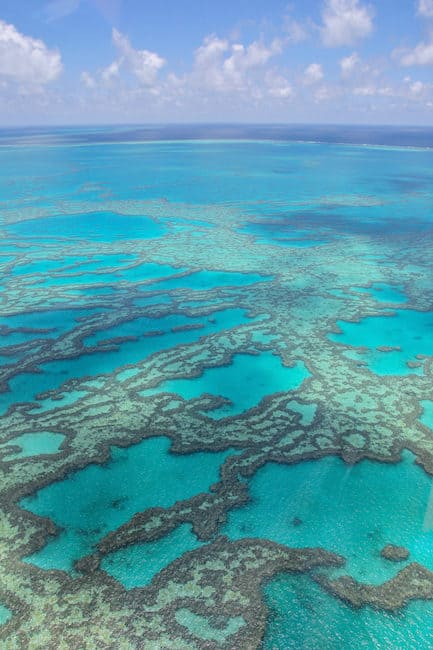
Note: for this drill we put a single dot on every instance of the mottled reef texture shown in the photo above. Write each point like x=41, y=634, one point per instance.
x=357, y=415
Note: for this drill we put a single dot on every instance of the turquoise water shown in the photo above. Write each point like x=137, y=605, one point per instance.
x=34, y=444
x=137, y=564
x=351, y=510
x=56, y=322
x=244, y=382
x=276, y=244
x=142, y=272
x=96, y=500
x=55, y=373
x=45, y=265
x=427, y=414
x=303, y=616
x=5, y=614
x=97, y=226
x=204, y=280
x=408, y=330
x=384, y=292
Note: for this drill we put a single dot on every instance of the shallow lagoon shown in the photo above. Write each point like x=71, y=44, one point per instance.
x=302, y=615
x=98, y=499
x=245, y=382
x=55, y=373
x=34, y=444
x=352, y=510
x=5, y=614
x=406, y=332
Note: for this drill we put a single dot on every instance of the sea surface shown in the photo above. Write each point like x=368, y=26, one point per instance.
x=216, y=395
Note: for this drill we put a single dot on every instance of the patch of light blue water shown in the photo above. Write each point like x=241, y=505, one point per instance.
x=26, y=386
x=146, y=301
x=9, y=360
x=352, y=510
x=136, y=565
x=5, y=614
x=108, y=260
x=39, y=265
x=303, y=616
x=34, y=444
x=92, y=226
x=203, y=280
x=67, y=399
x=384, y=292
x=218, y=320
x=406, y=329
x=6, y=259
x=245, y=382
x=134, y=274
x=56, y=321
x=96, y=500
x=427, y=414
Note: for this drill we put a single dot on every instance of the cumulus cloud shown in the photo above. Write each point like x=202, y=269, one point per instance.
x=223, y=66
x=313, y=73
x=278, y=86
x=25, y=59
x=111, y=72
x=345, y=22
x=425, y=8
x=417, y=89
x=325, y=94
x=349, y=64
x=143, y=64
x=87, y=80
x=422, y=54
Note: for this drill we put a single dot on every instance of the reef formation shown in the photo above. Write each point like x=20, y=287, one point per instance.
x=280, y=329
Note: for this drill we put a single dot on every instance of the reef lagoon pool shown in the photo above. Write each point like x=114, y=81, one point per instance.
x=216, y=394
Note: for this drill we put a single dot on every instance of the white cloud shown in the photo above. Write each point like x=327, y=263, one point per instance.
x=325, y=94
x=425, y=8
x=25, y=59
x=422, y=54
x=278, y=86
x=244, y=58
x=313, y=73
x=221, y=66
x=111, y=72
x=373, y=91
x=349, y=64
x=208, y=62
x=345, y=22
x=143, y=64
x=87, y=80
x=417, y=87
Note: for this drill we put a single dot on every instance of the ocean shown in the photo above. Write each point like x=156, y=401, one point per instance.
x=216, y=387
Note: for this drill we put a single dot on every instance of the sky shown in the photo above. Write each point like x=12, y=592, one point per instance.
x=142, y=61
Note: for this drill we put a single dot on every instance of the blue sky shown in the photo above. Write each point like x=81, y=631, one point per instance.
x=115, y=61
